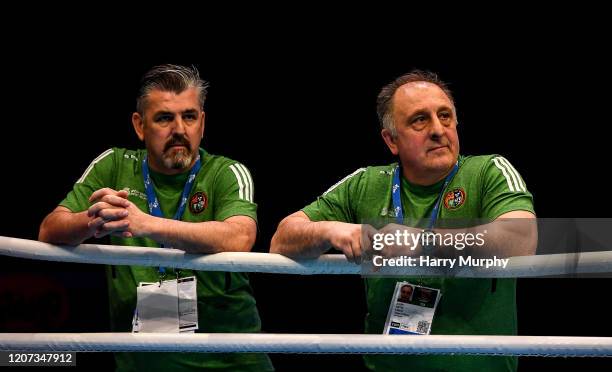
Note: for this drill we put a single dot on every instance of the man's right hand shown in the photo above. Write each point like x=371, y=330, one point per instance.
x=107, y=214
x=299, y=237
x=354, y=240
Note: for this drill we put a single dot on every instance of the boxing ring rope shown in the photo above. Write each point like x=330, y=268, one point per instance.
x=310, y=343
x=525, y=266
x=532, y=266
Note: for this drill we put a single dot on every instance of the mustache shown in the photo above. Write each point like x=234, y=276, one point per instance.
x=441, y=144
x=177, y=140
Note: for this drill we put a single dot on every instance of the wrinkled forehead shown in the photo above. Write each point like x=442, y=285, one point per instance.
x=170, y=101
x=420, y=95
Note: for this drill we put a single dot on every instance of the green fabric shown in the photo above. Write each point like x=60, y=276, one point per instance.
x=467, y=306
x=225, y=300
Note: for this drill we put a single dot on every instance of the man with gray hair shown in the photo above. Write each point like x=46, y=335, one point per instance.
x=431, y=182
x=172, y=194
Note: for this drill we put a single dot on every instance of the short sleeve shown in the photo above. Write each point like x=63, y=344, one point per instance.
x=504, y=190
x=99, y=174
x=335, y=203
x=234, y=192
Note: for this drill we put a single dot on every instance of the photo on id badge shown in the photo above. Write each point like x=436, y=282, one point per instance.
x=411, y=310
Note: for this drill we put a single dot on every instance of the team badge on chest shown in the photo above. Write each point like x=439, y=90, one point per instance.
x=454, y=198
x=198, y=202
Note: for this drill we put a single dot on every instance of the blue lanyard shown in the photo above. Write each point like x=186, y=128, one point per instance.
x=397, y=200
x=154, y=208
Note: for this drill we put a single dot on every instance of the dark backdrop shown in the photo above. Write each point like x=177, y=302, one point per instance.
x=301, y=119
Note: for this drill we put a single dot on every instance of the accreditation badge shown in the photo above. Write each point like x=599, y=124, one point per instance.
x=169, y=306
x=412, y=309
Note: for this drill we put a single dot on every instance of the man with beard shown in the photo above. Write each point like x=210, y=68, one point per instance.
x=173, y=194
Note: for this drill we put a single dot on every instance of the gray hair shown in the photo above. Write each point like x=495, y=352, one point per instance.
x=170, y=78
x=384, y=101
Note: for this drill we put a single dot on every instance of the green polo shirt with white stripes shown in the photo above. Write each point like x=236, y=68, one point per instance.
x=485, y=187
x=222, y=188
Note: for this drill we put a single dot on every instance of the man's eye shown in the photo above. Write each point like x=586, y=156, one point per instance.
x=418, y=119
x=190, y=117
x=419, y=122
x=445, y=115
x=164, y=118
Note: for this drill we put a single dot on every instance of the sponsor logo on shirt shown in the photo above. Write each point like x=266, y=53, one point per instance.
x=136, y=193
x=454, y=198
x=198, y=202
x=132, y=157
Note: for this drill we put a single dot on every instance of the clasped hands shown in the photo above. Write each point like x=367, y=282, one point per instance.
x=112, y=213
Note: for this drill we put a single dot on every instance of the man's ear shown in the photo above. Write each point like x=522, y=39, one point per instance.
x=138, y=123
x=390, y=140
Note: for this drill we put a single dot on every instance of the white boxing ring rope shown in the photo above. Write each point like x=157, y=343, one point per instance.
x=167, y=257
x=525, y=266
x=310, y=343
x=591, y=262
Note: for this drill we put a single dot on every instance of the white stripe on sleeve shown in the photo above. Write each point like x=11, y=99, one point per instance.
x=513, y=170
x=343, y=180
x=239, y=179
x=248, y=181
x=91, y=165
x=505, y=172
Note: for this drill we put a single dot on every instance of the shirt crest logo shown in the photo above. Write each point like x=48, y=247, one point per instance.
x=454, y=198
x=198, y=202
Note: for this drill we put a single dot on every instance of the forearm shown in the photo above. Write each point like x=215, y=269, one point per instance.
x=501, y=238
x=512, y=234
x=297, y=237
x=64, y=227
x=200, y=237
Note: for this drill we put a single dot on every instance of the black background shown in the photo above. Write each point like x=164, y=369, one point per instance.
x=301, y=117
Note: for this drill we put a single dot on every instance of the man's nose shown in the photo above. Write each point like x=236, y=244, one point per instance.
x=436, y=129
x=179, y=126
